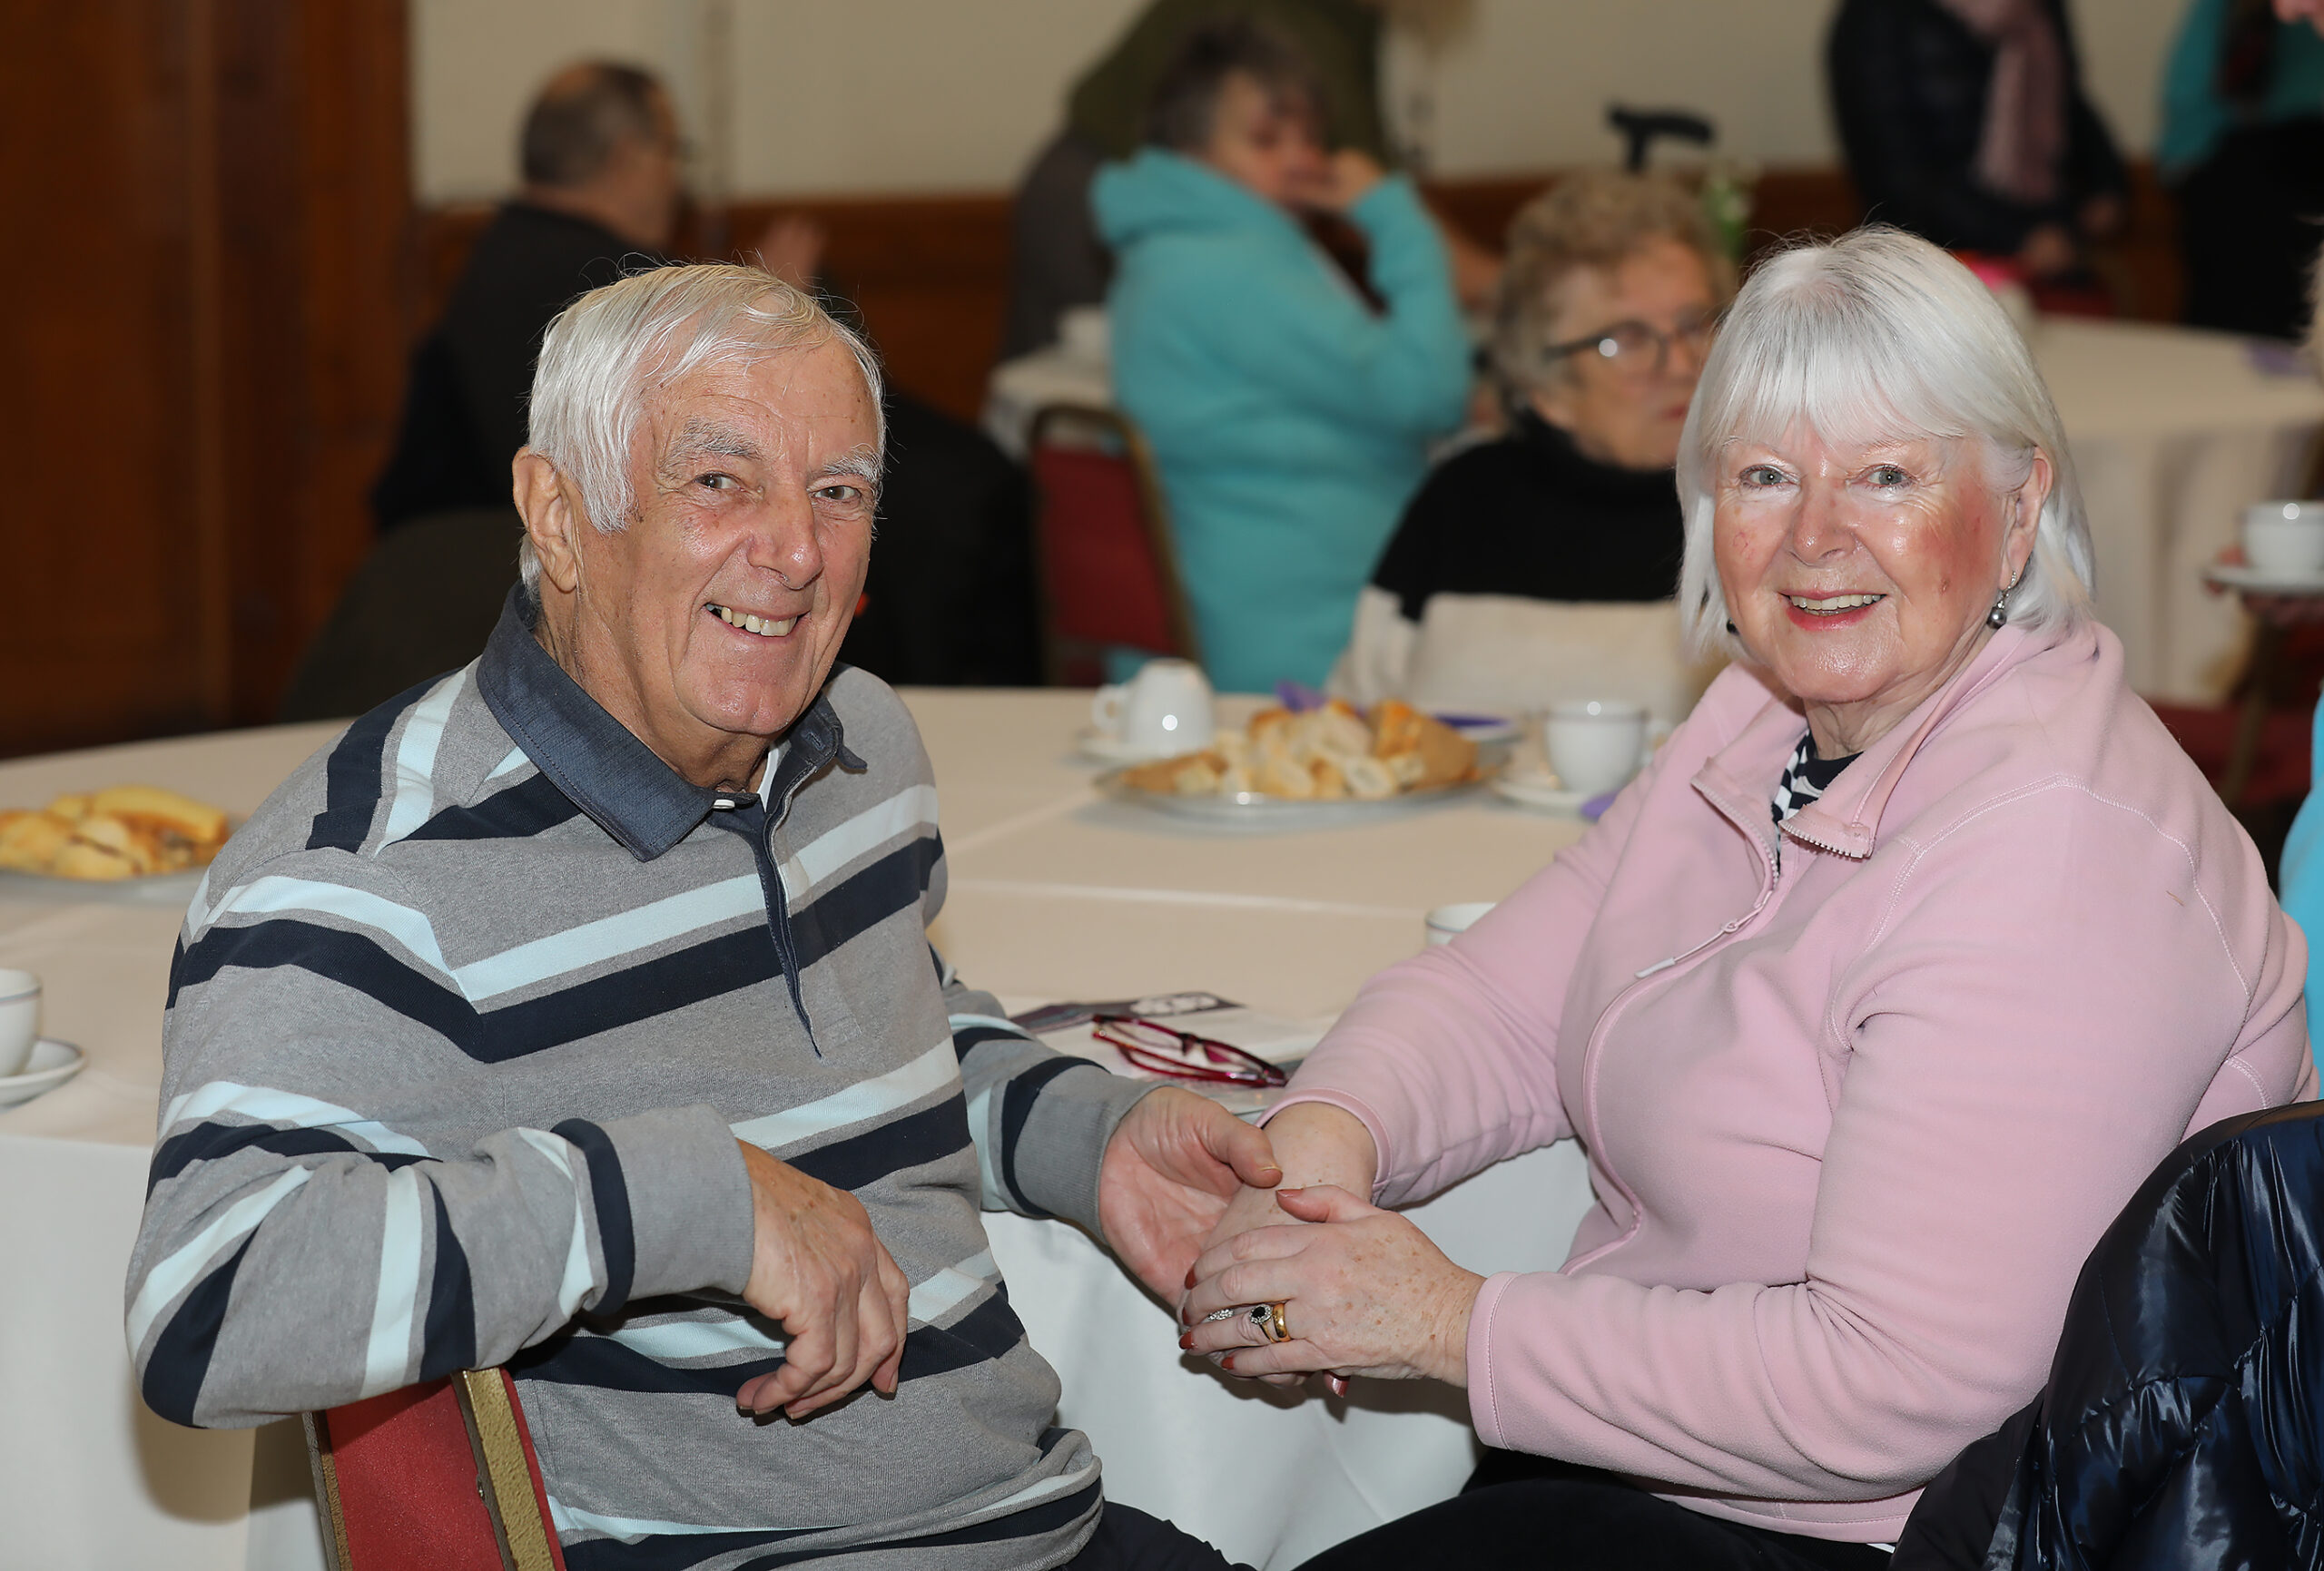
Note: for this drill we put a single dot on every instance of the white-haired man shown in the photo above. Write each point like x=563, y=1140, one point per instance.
x=575, y=1013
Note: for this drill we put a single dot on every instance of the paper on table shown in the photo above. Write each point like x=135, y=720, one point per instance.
x=1279, y=1039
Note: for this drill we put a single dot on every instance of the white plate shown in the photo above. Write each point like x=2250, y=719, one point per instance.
x=1253, y=810
x=1540, y=792
x=172, y=890
x=2258, y=581
x=53, y=1063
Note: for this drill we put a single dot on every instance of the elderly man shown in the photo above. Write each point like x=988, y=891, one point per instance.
x=575, y=1013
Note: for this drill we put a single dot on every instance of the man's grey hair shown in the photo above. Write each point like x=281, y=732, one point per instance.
x=1878, y=335
x=608, y=351
x=585, y=112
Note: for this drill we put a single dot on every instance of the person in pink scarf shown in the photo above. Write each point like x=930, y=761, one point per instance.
x=1964, y=121
x=1871, y=1001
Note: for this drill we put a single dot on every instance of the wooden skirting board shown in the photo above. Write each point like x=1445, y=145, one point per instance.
x=930, y=273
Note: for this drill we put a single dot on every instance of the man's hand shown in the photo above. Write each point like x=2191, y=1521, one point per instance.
x=790, y=247
x=1169, y=1170
x=817, y=1267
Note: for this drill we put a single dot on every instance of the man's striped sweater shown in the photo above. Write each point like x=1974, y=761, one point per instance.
x=463, y=1026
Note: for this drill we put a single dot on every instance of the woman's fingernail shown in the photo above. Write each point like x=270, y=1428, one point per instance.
x=1190, y=1278
x=1227, y=1363
x=1186, y=1343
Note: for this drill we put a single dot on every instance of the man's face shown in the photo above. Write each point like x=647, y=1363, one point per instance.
x=709, y=625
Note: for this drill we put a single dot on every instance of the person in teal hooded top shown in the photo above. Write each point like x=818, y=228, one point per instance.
x=1290, y=420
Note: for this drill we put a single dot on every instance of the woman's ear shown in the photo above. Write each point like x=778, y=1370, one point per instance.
x=2026, y=518
x=550, y=513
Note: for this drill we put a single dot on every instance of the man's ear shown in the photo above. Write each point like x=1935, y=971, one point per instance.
x=550, y=514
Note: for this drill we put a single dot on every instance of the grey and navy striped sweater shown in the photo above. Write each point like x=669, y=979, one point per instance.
x=463, y=1026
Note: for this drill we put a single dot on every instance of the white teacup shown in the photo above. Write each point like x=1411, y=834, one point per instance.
x=19, y=1020
x=1594, y=744
x=1447, y=922
x=2285, y=537
x=1165, y=709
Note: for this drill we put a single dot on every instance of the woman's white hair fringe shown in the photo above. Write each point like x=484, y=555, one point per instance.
x=1879, y=334
x=604, y=351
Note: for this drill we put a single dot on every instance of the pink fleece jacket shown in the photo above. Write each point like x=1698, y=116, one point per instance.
x=1853, y=1115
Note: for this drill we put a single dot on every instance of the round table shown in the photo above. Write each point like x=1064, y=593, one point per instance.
x=1054, y=894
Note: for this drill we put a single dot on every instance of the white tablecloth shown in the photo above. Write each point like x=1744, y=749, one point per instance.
x=2173, y=432
x=1054, y=894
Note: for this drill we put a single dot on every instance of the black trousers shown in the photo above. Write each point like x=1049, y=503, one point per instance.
x=1534, y=1513
x=1128, y=1539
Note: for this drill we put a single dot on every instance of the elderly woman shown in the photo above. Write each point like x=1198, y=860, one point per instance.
x=1542, y=565
x=1290, y=421
x=1871, y=1001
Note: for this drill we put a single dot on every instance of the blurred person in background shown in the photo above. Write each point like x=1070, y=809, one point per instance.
x=600, y=153
x=1290, y=421
x=1964, y=121
x=1520, y=569
x=2242, y=144
x=949, y=600
x=1057, y=261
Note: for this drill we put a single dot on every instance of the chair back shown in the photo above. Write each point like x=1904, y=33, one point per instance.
x=1107, y=571
x=436, y=1476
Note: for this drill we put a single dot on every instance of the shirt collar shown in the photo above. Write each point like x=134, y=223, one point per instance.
x=598, y=761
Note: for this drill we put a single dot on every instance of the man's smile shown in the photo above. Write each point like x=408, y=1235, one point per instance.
x=763, y=626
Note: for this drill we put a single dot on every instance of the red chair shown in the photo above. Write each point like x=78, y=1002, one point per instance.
x=1107, y=571
x=440, y=1477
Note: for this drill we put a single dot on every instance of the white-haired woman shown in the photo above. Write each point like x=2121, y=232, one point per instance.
x=1871, y=1001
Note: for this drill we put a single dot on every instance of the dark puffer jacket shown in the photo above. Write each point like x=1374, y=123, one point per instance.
x=2183, y=1421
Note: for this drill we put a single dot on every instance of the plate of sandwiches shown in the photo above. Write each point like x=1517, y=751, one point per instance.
x=1331, y=765
x=134, y=844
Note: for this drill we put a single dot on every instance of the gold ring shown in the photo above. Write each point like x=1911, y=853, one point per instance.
x=1278, y=1330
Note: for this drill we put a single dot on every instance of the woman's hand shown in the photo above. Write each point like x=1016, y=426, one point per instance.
x=1348, y=179
x=1364, y=1293
x=1313, y=1143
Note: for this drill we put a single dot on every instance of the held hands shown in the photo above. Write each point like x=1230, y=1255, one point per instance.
x=1366, y=1292
x=817, y=1267
x=1363, y=1290
x=1171, y=1168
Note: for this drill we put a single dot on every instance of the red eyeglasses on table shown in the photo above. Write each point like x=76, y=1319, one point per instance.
x=1182, y=1054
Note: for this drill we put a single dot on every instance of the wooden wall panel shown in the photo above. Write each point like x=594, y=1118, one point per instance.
x=192, y=411
x=930, y=274
x=103, y=626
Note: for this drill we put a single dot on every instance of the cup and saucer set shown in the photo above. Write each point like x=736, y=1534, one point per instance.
x=30, y=1063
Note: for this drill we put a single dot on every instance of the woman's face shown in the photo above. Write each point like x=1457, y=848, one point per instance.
x=1861, y=574
x=1628, y=409
x=1268, y=142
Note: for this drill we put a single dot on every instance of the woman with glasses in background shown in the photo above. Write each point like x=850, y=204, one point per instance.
x=1541, y=565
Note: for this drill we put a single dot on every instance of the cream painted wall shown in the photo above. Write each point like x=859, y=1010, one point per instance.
x=930, y=95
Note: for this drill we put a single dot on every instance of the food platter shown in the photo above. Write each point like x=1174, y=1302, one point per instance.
x=1256, y=811
x=173, y=890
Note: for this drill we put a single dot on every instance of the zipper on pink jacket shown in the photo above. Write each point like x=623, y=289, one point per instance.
x=1770, y=873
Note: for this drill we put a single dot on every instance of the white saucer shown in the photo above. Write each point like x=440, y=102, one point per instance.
x=1541, y=792
x=2260, y=581
x=1104, y=747
x=53, y=1063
